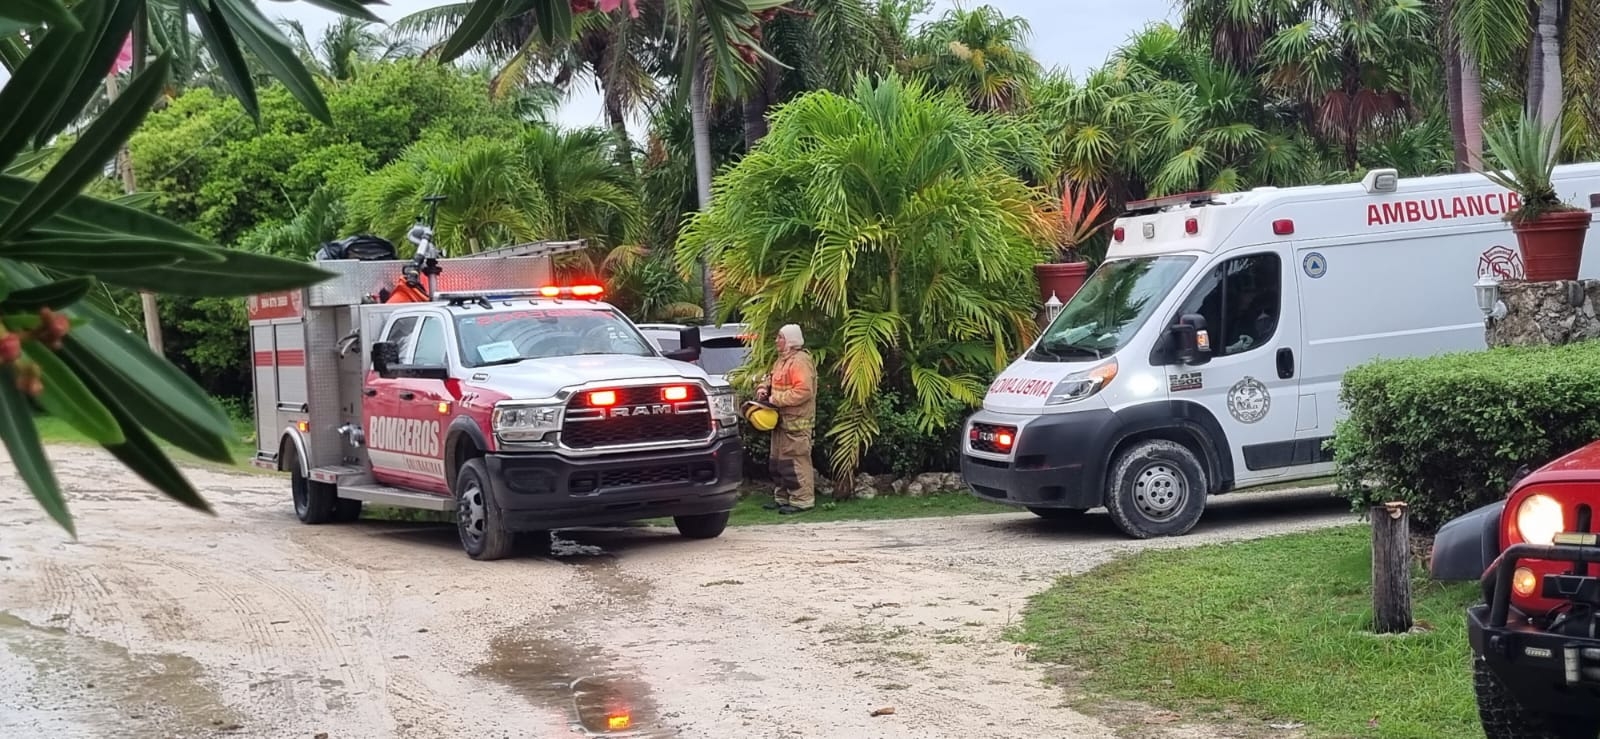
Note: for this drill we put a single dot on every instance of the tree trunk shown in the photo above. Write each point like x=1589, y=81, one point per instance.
x=699, y=101
x=758, y=104
x=619, y=130
x=1472, y=108
x=1544, y=65
x=1453, y=101
x=1391, y=569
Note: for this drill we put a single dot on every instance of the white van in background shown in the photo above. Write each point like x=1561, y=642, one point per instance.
x=723, y=348
x=1206, y=353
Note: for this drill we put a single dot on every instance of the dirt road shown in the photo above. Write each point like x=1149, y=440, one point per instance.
x=160, y=622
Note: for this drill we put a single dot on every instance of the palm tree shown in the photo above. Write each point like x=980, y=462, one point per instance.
x=981, y=52
x=886, y=224
x=344, y=46
x=588, y=195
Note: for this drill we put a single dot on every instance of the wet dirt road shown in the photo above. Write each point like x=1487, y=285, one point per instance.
x=161, y=622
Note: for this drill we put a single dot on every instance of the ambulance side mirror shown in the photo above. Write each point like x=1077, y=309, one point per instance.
x=385, y=354
x=1191, y=339
x=688, y=345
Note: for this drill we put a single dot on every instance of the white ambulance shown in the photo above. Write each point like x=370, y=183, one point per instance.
x=1206, y=353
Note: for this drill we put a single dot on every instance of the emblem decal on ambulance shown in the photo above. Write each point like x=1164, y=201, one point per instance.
x=1503, y=263
x=1315, y=265
x=1248, y=400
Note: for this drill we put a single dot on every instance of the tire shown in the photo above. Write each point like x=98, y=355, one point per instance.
x=1059, y=514
x=347, y=510
x=704, y=526
x=1504, y=718
x=314, y=502
x=1156, y=488
x=478, y=521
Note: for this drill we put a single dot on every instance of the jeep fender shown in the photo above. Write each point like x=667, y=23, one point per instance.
x=1466, y=545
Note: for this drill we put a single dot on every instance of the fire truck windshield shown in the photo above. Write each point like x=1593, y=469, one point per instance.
x=511, y=336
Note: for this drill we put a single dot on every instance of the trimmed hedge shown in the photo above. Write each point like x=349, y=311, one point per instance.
x=1446, y=433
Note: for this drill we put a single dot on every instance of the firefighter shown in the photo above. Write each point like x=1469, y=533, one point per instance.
x=791, y=387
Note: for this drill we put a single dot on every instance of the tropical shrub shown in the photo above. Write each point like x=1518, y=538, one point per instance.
x=1446, y=433
x=885, y=225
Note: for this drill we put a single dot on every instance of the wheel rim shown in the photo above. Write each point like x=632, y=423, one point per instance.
x=470, y=512
x=1160, y=491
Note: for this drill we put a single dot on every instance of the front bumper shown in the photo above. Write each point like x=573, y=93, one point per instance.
x=1056, y=463
x=1548, y=671
x=548, y=491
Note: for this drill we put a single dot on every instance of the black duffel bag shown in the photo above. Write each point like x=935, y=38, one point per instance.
x=364, y=247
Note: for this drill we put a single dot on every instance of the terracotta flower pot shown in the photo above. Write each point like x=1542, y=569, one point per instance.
x=1552, y=245
x=1062, y=279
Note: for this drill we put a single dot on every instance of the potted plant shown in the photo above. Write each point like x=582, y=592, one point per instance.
x=1549, y=232
x=1069, y=227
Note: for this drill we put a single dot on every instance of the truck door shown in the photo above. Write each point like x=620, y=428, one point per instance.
x=404, y=430
x=1251, y=385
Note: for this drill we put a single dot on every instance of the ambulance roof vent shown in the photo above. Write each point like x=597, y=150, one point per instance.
x=1381, y=180
x=1156, y=205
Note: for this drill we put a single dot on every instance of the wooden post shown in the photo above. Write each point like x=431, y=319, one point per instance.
x=1391, y=568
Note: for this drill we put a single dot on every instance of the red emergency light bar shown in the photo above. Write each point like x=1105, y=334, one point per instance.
x=1154, y=204
x=571, y=291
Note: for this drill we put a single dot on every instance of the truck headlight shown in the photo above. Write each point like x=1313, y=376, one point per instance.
x=1080, y=385
x=1539, y=518
x=526, y=421
x=723, y=407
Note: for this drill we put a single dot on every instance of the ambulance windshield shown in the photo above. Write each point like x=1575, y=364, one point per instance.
x=511, y=336
x=1109, y=309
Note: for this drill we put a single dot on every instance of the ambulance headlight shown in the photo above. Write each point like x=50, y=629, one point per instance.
x=1080, y=385
x=723, y=407
x=526, y=421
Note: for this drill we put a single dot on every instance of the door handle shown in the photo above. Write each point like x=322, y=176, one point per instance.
x=370, y=392
x=407, y=395
x=1285, y=363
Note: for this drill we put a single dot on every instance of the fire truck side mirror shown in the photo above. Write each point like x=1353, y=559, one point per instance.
x=1191, y=340
x=385, y=354
x=688, y=345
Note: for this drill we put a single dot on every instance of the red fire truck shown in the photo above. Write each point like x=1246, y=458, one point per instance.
x=520, y=405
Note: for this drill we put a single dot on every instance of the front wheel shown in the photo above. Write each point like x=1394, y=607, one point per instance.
x=704, y=526
x=478, y=519
x=1156, y=488
x=1503, y=717
x=314, y=502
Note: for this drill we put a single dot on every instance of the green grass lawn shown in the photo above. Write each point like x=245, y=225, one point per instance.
x=1271, y=629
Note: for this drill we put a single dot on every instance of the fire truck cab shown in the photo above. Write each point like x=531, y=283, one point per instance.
x=521, y=406
x=1535, y=638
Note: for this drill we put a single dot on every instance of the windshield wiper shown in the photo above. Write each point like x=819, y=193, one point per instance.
x=1079, y=348
x=499, y=362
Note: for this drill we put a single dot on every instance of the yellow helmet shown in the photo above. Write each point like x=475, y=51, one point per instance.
x=760, y=415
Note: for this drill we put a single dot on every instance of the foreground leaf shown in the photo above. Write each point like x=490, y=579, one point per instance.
x=27, y=452
x=275, y=53
x=50, y=67
x=224, y=49
x=91, y=254
x=480, y=18
x=35, y=12
x=66, y=397
x=104, y=43
x=353, y=8
x=88, y=215
x=237, y=274
x=55, y=296
x=86, y=160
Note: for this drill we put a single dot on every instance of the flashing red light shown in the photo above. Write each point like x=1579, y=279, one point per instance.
x=1117, y=233
x=1283, y=227
x=1003, y=439
x=675, y=392
x=603, y=398
x=571, y=291
x=1191, y=226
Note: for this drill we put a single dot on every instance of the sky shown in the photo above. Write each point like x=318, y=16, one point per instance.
x=1066, y=34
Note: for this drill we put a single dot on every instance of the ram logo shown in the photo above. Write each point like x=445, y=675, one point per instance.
x=654, y=409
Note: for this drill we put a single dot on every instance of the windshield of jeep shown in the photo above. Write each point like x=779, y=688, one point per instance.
x=511, y=336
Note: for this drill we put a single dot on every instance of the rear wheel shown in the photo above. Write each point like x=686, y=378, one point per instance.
x=478, y=519
x=1503, y=717
x=1156, y=488
x=1059, y=514
x=704, y=526
x=314, y=502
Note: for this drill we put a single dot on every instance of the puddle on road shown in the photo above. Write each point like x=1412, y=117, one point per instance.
x=597, y=697
x=54, y=681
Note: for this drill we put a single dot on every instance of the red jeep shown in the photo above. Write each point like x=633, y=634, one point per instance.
x=1536, y=637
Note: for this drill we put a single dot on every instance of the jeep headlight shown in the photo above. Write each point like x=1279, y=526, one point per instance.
x=526, y=421
x=1080, y=385
x=1539, y=518
x=723, y=407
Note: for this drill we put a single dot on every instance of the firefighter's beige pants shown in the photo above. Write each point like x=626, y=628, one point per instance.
x=790, y=465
